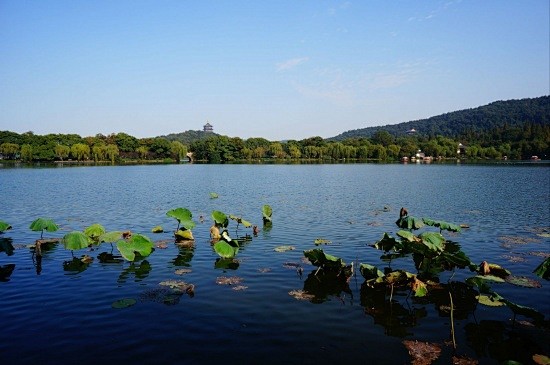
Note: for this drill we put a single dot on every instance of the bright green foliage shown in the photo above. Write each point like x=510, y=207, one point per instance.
x=4, y=226
x=220, y=219
x=94, y=232
x=266, y=213
x=75, y=240
x=444, y=226
x=543, y=270
x=322, y=241
x=183, y=235
x=183, y=216
x=388, y=243
x=214, y=195
x=43, y=224
x=410, y=223
x=226, y=249
x=407, y=235
x=239, y=220
x=157, y=229
x=110, y=237
x=136, y=243
x=318, y=257
x=433, y=240
x=370, y=272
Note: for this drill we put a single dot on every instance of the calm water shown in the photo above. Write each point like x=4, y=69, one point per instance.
x=53, y=316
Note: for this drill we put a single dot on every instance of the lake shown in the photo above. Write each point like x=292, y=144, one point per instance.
x=53, y=312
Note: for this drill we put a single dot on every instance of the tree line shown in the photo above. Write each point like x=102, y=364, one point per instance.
x=512, y=142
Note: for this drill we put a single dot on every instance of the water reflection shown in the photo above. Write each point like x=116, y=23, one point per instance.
x=138, y=271
x=76, y=265
x=6, y=271
x=184, y=257
x=323, y=284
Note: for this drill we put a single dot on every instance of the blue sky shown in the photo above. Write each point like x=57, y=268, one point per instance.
x=273, y=69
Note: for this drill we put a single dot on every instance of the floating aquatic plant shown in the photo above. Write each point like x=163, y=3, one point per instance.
x=43, y=224
x=266, y=213
x=94, y=231
x=75, y=240
x=4, y=226
x=135, y=244
x=185, y=223
x=157, y=229
x=123, y=303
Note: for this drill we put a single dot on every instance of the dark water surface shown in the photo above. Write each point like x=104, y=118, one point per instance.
x=49, y=315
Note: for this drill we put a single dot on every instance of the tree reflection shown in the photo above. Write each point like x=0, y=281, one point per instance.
x=324, y=283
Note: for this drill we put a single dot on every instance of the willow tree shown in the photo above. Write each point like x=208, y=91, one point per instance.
x=9, y=150
x=178, y=149
x=26, y=152
x=80, y=151
x=62, y=151
x=111, y=151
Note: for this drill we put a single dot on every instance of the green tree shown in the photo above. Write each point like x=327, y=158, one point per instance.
x=62, y=151
x=143, y=151
x=125, y=142
x=80, y=151
x=112, y=152
x=9, y=150
x=178, y=149
x=26, y=153
x=98, y=152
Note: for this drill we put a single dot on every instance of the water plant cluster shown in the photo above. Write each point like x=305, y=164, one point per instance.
x=419, y=243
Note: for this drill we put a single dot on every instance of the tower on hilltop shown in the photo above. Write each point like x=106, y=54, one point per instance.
x=208, y=127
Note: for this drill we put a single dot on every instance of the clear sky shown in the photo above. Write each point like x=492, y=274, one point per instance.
x=277, y=69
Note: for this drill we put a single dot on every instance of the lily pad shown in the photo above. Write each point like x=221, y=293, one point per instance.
x=4, y=226
x=110, y=237
x=543, y=270
x=213, y=195
x=183, y=216
x=157, y=229
x=75, y=241
x=488, y=301
x=322, y=241
x=123, y=303
x=94, y=231
x=284, y=248
x=523, y=281
x=43, y=224
x=301, y=295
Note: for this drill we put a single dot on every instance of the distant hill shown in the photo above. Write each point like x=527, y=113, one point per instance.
x=511, y=113
x=188, y=137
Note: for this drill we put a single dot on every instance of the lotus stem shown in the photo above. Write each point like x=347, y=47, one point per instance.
x=452, y=321
x=391, y=293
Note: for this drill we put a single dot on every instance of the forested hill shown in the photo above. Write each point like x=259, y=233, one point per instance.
x=188, y=137
x=510, y=113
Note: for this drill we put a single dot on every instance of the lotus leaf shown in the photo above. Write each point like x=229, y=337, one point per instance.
x=441, y=225
x=183, y=235
x=419, y=287
x=43, y=224
x=409, y=222
x=137, y=243
x=225, y=250
x=321, y=259
x=4, y=226
x=123, y=303
x=75, y=241
x=407, y=235
x=94, y=231
x=183, y=216
x=388, y=243
x=267, y=212
x=239, y=220
x=284, y=248
x=110, y=236
x=213, y=195
x=524, y=311
x=522, y=281
x=220, y=219
x=541, y=359
x=489, y=301
x=157, y=229
x=493, y=269
x=433, y=240
x=543, y=270
x=322, y=241
x=370, y=271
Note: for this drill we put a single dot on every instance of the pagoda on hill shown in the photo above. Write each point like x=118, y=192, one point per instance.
x=208, y=128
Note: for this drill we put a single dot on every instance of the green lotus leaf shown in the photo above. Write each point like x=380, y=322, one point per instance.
x=409, y=222
x=397, y=277
x=543, y=270
x=75, y=241
x=220, y=218
x=441, y=225
x=318, y=257
x=110, y=236
x=94, y=231
x=522, y=310
x=522, y=281
x=225, y=250
x=239, y=220
x=457, y=259
x=407, y=235
x=43, y=224
x=137, y=243
x=213, y=195
x=433, y=240
x=388, y=243
x=370, y=271
x=184, y=235
x=419, y=287
x=267, y=212
x=4, y=226
x=183, y=216
x=489, y=301
x=322, y=241
x=123, y=303
x=157, y=229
